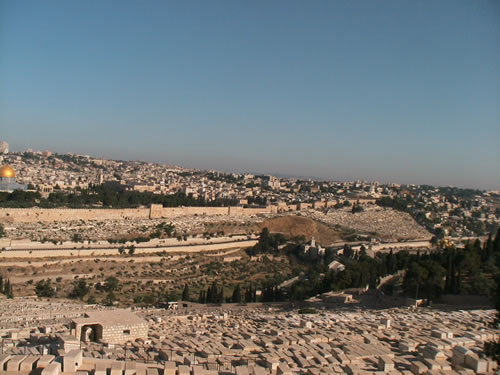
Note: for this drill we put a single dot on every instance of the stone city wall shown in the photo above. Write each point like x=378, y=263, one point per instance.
x=156, y=211
x=30, y=215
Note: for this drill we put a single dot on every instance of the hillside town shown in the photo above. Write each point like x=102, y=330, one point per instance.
x=444, y=211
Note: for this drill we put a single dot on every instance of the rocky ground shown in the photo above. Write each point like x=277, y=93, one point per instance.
x=116, y=229
x=384, y=223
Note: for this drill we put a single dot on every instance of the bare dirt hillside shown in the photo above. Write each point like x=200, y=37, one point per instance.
x=292, y=226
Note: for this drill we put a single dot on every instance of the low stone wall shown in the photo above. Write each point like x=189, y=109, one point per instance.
x=396, y=246
x=79, y=252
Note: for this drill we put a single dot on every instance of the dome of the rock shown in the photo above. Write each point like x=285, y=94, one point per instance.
x=7, y=172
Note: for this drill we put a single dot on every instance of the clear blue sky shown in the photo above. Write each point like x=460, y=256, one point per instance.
x=395, y=91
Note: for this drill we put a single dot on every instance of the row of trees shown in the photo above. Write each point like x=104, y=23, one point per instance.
x=80, y=289
x=267, y=244
x=468, y=270
x=214, y=294
x=107, y=195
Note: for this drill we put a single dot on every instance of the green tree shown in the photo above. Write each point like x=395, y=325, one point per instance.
x=348, y=252
x=202, y=297
x=91, y=300
x=391, y=263
x=424, y=278
x=435, y=281
x=110, y=299
x=44, y=288
x=492, y=348
x=414, y=279
x=80, y=289
x=7, y=289
x=236, y=298
x=208, y=294
x=185, y=293
x=131, y=250
x=110, y=284
x=220, y=295
x=264, y=238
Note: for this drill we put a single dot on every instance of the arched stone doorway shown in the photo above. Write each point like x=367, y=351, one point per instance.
x=91, y=333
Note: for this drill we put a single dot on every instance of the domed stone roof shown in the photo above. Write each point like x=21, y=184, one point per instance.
x=7, y=171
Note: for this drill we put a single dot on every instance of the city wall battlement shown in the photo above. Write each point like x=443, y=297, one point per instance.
x=30, y=215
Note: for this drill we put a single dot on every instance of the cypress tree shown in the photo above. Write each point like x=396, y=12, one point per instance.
x=488, y=248
x=220, y=295
x=5, y=288
x=496, y=242
x=8, y=289
x=391, y=264
x=477, y=246
x=236, y=298
x=449, y=272
x=185, y=293
x=208, y=297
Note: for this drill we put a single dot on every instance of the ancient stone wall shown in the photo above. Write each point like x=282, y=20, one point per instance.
x=156, y=211
x=29, y=215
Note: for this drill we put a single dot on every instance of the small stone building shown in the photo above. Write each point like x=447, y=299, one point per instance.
x=111, y=327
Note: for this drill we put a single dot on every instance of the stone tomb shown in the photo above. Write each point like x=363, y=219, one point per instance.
x=111, y=327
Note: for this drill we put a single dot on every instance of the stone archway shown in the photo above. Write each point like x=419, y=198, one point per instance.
x=91, y=333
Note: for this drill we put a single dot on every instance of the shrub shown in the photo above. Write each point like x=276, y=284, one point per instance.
x=307, y=310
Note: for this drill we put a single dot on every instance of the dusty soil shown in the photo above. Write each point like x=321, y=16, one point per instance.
x=292, y=226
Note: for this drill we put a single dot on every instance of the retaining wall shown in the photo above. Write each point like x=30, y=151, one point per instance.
x=195, y=248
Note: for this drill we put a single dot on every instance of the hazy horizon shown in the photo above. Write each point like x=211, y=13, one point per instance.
x=255, y=172
x=403, y=92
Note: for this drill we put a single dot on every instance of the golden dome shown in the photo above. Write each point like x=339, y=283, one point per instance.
x=6, y=171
